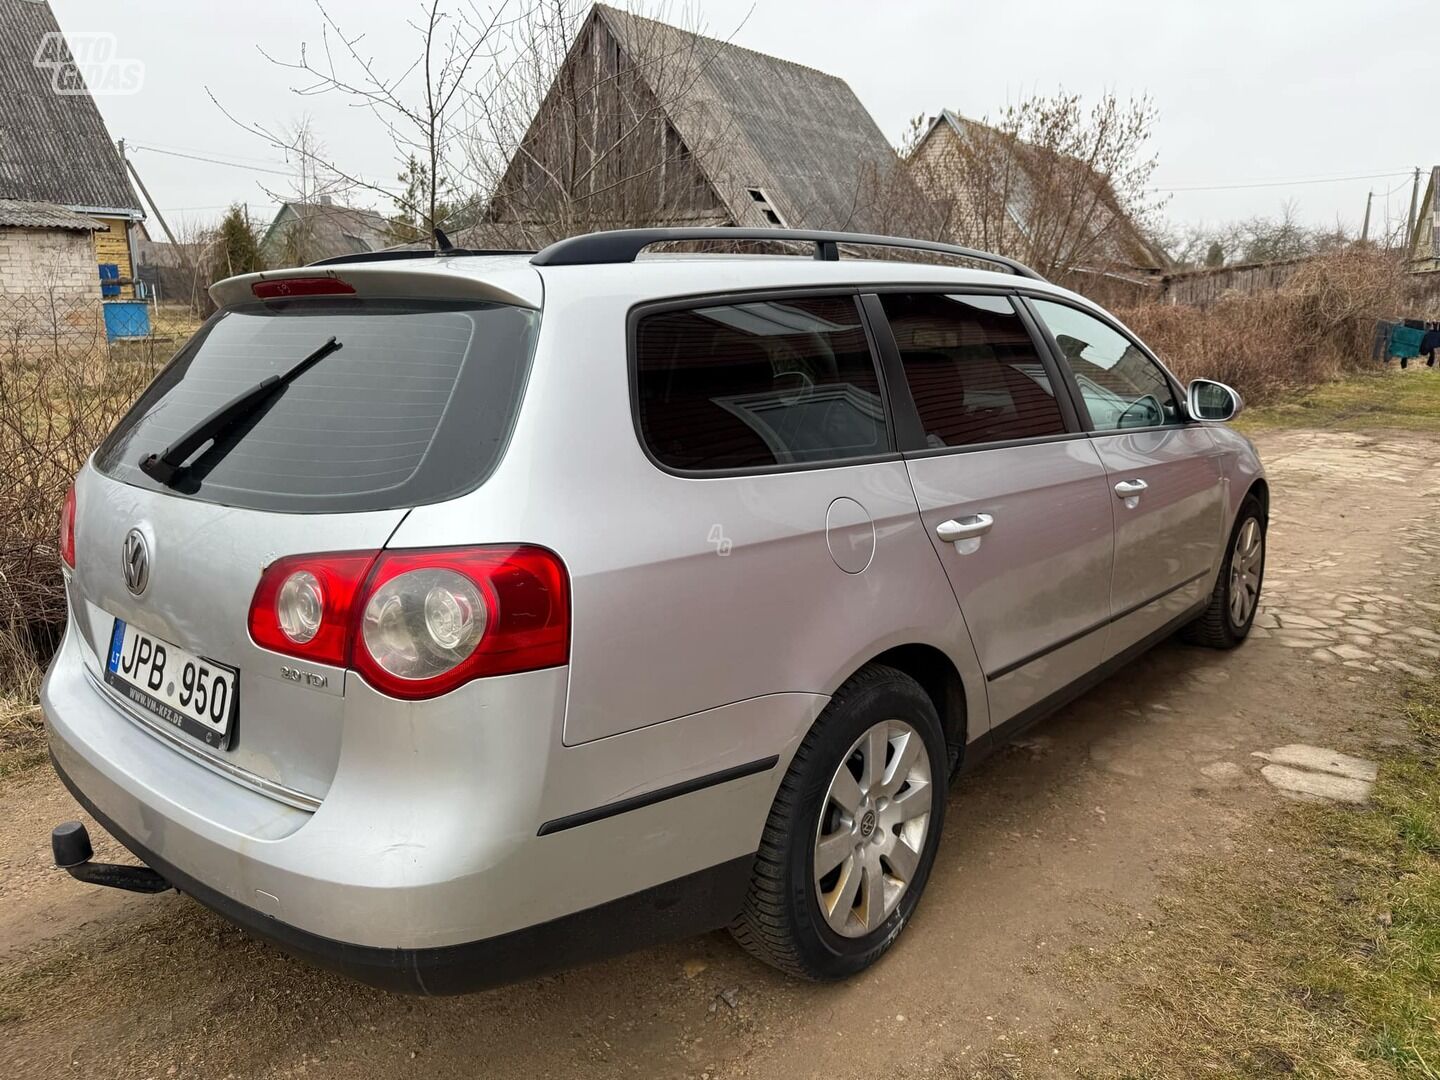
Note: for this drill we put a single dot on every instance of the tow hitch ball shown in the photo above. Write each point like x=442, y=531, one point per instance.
x=70, y=844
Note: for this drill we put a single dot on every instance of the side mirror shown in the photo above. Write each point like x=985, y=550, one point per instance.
x=1212, y=402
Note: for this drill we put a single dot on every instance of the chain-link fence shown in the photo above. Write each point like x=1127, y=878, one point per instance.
x=70, y=365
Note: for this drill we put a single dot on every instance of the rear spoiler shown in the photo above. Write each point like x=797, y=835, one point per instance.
x=517, y=283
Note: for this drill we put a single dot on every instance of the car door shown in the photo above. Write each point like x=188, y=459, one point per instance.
x=1013, y=496
x=1168, y=493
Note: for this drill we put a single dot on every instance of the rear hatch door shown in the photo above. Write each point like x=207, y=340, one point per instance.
x=415, y=407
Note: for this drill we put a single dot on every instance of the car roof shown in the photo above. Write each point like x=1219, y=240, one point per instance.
x=672, y=276
x=513, y=278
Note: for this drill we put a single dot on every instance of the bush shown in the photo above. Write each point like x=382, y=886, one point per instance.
x=62, y=388
x=1317, y=325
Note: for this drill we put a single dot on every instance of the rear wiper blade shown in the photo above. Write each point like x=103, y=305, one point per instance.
x=165, y=465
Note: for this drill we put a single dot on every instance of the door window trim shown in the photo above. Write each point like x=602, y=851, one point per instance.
x=1026, y=297
x=698, y=300
x=908, y=427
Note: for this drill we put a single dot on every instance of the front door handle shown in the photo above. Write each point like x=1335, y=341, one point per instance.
x=1128, y=489
x=966, y=528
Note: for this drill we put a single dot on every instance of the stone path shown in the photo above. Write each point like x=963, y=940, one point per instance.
x=1313, y=772
x=1319, y=605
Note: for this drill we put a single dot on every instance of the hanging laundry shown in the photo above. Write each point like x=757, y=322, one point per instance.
x=1429, y=344
x=1405, y=342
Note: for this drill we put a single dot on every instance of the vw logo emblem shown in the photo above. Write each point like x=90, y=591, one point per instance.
x=135, y=556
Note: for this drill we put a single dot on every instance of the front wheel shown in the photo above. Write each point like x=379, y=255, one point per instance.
x=853, y=831
x=1227, y=620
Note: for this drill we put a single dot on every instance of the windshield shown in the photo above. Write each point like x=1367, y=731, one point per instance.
x=415, y=408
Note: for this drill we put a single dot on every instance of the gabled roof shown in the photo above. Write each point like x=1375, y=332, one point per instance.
x=330, y=229
x=1424, y=250
x=1123, y=243
x=799, y=137
x=15, y=213
x=53, y=147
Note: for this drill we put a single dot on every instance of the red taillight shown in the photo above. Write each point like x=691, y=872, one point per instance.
x=341, y=576
x=285, y=288
x=416, y=624
x=67, y=529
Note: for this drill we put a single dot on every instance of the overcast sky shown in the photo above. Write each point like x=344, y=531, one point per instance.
x=1249, y=92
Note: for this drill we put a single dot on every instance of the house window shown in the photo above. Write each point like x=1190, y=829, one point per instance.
x=762, y=203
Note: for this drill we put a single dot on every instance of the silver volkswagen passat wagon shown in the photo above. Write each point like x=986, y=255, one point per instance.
x=449, y=617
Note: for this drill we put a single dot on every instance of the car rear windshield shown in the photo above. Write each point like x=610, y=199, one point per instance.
x=415, y=406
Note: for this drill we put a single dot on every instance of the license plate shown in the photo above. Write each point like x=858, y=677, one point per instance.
x=196, y=695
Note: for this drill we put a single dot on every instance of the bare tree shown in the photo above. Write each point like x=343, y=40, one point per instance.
x=307, y=154
x=420, y=108
x=1261, y=239
x=1060, y=186
x=900, y=201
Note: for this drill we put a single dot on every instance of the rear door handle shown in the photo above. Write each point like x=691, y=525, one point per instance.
x=1128, y=489
x=966, y=528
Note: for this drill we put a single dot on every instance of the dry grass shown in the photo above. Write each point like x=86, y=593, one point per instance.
x=62, y=389
x=1312, y=952
x=22, y=729
x=1317, y=327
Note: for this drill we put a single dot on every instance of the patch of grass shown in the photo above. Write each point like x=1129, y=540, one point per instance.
x=1314, y=952
x=1408, y=401
x=22, y=737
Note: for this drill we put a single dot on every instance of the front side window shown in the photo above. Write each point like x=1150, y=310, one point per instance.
x=972, y=369
x=1121, y=386
x=750, y=385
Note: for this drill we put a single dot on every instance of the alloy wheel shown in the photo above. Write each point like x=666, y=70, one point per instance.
x=872, y=828
x=1246, y=563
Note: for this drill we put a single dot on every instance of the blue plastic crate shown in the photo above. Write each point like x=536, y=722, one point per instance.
x=126, y=319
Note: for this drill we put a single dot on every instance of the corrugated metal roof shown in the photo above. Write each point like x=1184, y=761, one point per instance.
x=800, y=136
x=40, y=215
x=53, y=147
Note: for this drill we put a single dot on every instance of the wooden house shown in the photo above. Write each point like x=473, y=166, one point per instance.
x=650, y=124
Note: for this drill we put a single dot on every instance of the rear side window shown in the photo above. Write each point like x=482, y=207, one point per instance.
x=416, y=405
x=972, y=369
x=749, y=385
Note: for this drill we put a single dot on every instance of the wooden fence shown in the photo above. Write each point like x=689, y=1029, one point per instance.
x=1201, y=288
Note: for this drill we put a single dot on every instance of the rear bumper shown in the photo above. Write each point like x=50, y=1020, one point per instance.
x=690, y=905
x=461, y=839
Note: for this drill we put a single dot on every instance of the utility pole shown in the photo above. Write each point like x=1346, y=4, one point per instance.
x=141, y=185
x=1410, y=221
x=1365, y=229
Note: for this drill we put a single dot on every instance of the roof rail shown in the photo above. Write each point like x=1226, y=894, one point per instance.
x=396, y=254
x=623, y=245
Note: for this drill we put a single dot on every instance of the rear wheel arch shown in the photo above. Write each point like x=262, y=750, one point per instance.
x=937, y=675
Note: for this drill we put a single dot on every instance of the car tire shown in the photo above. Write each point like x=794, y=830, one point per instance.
x=1235, y=599
x=797, y=917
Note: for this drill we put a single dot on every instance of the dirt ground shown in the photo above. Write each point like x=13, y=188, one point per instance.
x=1061, y=844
